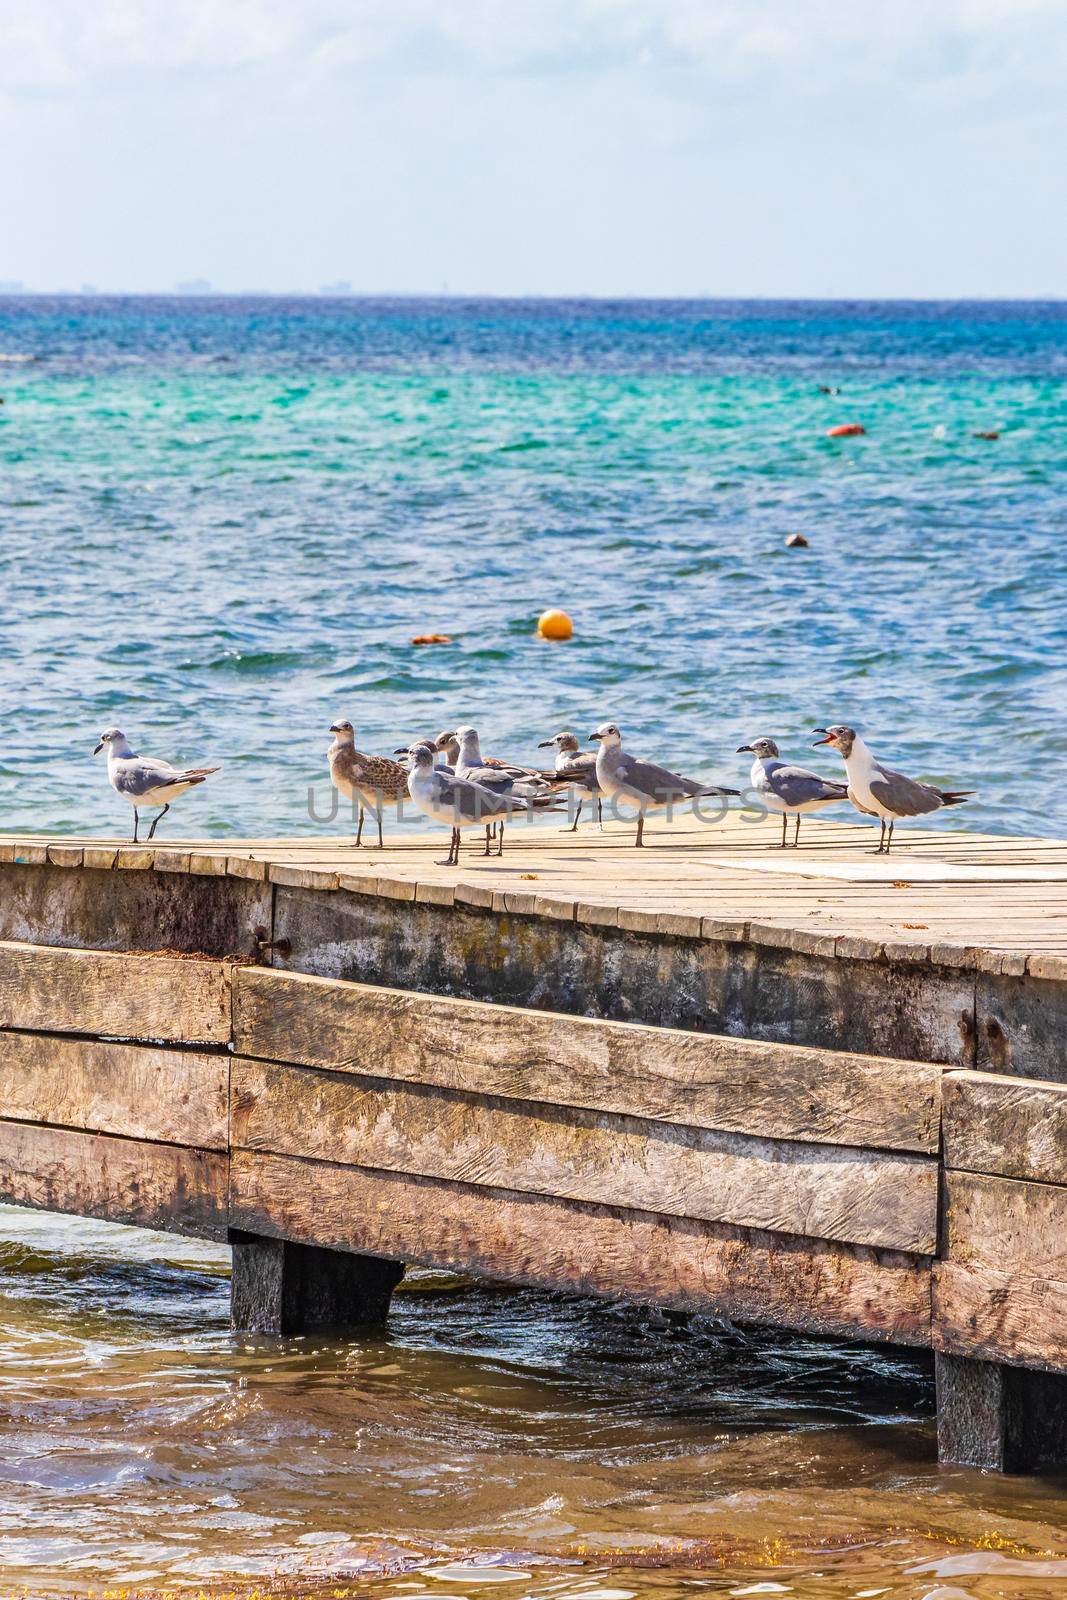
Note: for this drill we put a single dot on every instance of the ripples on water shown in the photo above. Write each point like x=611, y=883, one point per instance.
x=586, y=1445
x=223, y=522
x=220, y=524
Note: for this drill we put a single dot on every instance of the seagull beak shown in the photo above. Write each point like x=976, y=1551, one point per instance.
x=742, y=748
x=402, y=750
x=99, y=747
x=546, y=744
x=335, y=727
x=596, y=736
x=829, y=739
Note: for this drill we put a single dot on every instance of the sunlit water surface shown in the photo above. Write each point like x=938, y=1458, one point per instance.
x=488, y=1438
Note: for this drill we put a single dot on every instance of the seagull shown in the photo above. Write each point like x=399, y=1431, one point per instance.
x=448, y=746
x=459, y=803
x=144, y=780
x=652, y=788
x=790, y=790
x=499, y=777
x=502, y=777
x=880, y=792
x=577, y=767
x=370, y=780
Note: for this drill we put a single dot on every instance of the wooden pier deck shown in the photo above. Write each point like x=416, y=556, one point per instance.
x=816, y=1088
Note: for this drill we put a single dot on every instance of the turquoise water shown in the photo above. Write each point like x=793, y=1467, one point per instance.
x=223, y=521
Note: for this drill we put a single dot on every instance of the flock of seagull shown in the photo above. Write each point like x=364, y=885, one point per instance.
x=452, y=783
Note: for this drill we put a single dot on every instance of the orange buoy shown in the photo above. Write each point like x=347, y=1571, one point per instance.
x=431, y=638
x=846, y=430
x=555, y=625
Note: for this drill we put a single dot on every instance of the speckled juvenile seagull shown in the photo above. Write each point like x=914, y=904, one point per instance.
x=576, y=768
x=879, y=791
x=372, y=780
x=143, y=780
x=788, y=789
x=651, y=788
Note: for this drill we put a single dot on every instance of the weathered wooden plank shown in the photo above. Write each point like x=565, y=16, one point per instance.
x=122, y=995
x=1000, y=1316
x=119, y=1180
x=745, y=1275
x=822, y=1191
x=97, y=908
x=142, y=1092
x=1014, y=1127
x=708, y=1081
x=1003, y=1225
x=707, y=986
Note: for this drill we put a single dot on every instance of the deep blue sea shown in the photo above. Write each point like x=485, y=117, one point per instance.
x=223, y=520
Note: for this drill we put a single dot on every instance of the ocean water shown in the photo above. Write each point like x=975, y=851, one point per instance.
x=222, y=522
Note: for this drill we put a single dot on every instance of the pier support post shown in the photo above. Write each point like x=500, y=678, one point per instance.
x=281, y=1287
x=1008, y=1419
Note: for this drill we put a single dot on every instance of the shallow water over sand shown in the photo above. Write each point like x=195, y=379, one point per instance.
x=490, y=1442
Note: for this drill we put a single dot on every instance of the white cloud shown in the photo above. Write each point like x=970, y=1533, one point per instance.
x=67, y=45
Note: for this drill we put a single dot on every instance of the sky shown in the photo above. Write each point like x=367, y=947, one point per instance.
x=822, y=148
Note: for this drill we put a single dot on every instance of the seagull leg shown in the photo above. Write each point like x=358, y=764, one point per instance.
x=157, y=820
x=600, y=812
x=500, y=839
x=381, y=841
x=488, y=836
x=889, y=841
x=785, y=820
x=639, y=841
x=881, y=841
x=574, y=825
x=135, y=821
x=453, y=851
x=359, y=830
x=796, y=833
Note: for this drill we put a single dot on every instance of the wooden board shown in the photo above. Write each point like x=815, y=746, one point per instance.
x=997, y=1316
x=708, y=1081
x=747, y=1276
x=119, y=1180
x=1014, y=1127
x=1000, y=1225
x=139, y=1091
x=821, y=1191
x=162, y=998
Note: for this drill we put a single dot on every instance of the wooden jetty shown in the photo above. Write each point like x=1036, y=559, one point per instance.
x=819, y=1088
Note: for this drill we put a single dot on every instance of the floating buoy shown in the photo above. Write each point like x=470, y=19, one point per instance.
x=796, y=541
x=555, y=625
x=431, y=638
x=846, y=430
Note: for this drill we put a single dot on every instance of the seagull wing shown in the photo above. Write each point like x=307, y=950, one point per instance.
x=655, y=783
x=904, y=796
x=471, y=802
x=796, y=786
x=138, y=776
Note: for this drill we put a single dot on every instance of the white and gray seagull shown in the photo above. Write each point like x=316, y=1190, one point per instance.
x=143, y=780
x=788, y=789
x=459, y=803
x=879, y=791
x=575, y=768
x=650, y=788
